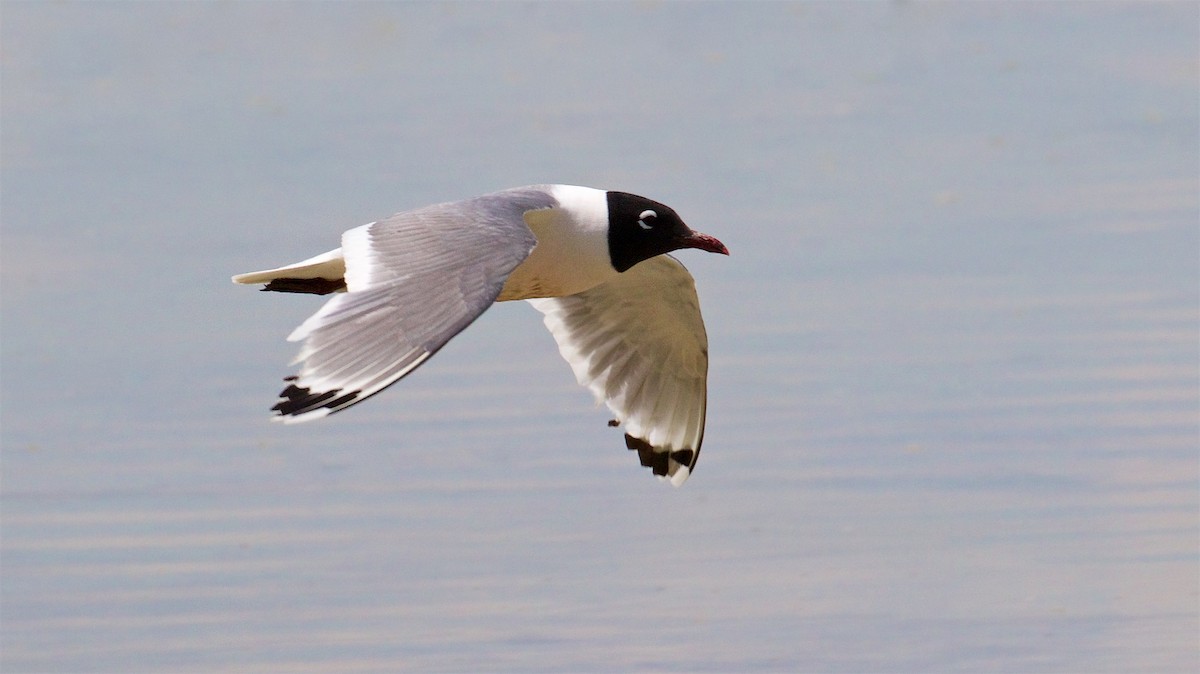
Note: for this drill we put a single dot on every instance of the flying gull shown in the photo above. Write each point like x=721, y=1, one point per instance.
x=594, y=262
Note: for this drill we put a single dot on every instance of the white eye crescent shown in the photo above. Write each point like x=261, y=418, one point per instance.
x=644, y=216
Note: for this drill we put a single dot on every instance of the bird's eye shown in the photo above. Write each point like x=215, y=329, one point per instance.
x=646, y=219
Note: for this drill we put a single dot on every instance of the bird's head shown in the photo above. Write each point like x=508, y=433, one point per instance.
x=641, y=228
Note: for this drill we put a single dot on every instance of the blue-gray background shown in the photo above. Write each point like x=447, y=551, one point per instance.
x=953, y=389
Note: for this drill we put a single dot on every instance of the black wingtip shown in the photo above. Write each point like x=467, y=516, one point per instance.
x=659, y=462
x=298, y=400
x=312, y=286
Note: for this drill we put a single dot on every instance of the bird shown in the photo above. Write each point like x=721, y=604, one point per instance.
x=595, y=263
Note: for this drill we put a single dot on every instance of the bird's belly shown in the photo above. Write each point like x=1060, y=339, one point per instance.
x=550, y=273
x=524, y=284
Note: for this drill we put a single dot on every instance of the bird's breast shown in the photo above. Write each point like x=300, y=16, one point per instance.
x=568, y=259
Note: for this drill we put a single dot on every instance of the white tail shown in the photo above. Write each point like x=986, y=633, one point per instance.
x=326, y=265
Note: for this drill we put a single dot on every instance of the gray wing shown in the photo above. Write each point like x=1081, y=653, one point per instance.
x=413, y=281
x=638, y=343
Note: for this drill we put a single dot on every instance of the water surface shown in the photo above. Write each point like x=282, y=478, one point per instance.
x=953, y=388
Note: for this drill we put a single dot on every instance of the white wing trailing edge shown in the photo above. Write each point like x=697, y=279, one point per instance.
x=638, y=343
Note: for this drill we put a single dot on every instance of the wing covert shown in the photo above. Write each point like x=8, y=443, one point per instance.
x=413, y=281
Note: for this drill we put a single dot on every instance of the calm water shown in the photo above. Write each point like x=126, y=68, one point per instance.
x=953, y=398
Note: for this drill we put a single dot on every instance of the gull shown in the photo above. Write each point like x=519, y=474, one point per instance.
x=624, y=313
